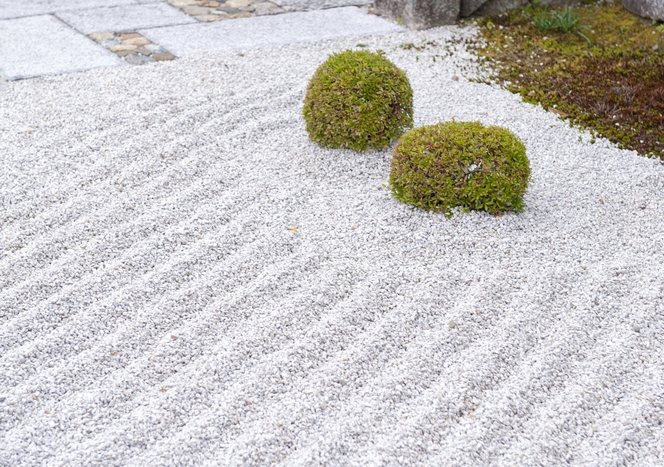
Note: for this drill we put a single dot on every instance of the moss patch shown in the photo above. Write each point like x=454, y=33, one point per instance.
x=614, y=87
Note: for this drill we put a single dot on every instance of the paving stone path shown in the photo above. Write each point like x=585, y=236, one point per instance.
x=47, y=37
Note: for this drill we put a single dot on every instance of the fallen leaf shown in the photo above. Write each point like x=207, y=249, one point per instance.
x=560, y=113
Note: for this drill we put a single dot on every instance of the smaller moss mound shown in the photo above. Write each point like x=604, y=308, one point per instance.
x=358, y=100
x=442, y=166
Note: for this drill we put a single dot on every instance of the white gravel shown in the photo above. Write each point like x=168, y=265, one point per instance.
x=157, y=308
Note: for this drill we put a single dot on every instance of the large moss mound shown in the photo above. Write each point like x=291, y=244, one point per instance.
x=358, y=100
x=466, y=164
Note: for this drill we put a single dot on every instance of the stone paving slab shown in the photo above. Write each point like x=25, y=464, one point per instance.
x=43, y=45
x=304, y=5
x=125, y=18
x=19, y=8
x=208, y=11
x=268, y=30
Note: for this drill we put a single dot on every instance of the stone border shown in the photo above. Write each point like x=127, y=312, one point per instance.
x=136, y=49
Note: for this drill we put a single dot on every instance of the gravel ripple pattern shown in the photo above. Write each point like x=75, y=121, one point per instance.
x=185, y=279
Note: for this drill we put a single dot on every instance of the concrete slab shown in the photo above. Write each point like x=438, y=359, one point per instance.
x=20, y=8
x=289, y=28
x=305, y=5
x=43, y=45
x=124, y=18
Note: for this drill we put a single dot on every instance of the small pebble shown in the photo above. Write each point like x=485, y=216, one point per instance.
x=163, y=56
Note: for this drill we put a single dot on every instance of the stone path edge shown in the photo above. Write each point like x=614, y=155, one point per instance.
x=244, y=33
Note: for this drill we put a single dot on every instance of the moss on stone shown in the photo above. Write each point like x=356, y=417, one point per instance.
x=358, y=100
x=452, y=164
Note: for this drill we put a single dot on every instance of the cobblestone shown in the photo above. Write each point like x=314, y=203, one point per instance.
x=132, y=47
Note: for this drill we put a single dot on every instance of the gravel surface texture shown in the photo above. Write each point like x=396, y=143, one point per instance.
x=185, y=279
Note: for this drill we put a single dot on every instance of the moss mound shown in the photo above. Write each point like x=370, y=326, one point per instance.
x=442, y=166
x=358, y=100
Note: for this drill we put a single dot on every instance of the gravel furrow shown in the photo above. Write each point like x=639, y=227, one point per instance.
x=129, y=305
x=59, y=219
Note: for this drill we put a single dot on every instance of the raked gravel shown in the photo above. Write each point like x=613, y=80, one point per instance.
x=185, y=279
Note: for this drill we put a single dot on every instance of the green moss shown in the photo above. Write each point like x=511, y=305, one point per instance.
x=614, y=87
x=358, y=100
x=442, y=166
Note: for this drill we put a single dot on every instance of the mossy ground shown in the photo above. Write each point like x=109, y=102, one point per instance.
x=614, y=87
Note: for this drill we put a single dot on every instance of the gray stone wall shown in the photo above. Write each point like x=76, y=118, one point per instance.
x=653, y=9
x=419, y=14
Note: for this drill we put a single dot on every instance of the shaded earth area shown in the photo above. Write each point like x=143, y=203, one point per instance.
x=607, y=76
